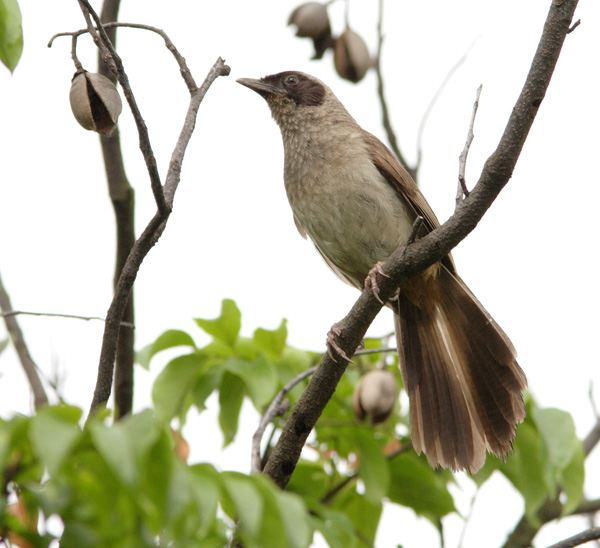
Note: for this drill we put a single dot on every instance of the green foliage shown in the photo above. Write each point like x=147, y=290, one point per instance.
x=11, y=33
x=548, y=459
x=124, y=485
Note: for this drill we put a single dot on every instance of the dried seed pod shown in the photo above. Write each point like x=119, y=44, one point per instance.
x=351, y=56
x=95, y=102
x=312, y=21
x=375, y=396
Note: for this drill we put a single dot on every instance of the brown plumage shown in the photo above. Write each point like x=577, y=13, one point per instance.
x=355, y=201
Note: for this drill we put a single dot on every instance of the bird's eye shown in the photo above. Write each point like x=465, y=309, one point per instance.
x=291, y=80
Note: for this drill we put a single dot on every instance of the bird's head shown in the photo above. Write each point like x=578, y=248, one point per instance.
x=288, y=93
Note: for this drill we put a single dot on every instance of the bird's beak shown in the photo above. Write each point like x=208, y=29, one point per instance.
x=262, y=88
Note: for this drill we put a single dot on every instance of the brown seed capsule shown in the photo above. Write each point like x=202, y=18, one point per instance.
x=95, y=102
x=351, y=56
x=312, y=21
x=375, y=396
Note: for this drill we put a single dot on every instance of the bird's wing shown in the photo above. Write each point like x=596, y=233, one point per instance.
x=395, y=174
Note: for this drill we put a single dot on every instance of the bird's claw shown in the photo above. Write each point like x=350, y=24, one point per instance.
x=333, y=349
x=371, y=279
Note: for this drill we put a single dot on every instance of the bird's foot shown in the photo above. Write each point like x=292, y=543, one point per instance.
x=333, y=349
x=371, y=279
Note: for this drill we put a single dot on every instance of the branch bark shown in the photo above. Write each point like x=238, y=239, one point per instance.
x=421, y=254
x=14, y=330
x=146, y=241
x=577, y=540
x=122, y=197
x=163, y=194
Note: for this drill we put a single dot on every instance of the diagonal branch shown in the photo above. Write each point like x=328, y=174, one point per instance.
x=122, y=197
x=113, y=61
x=577, y=540
x=416, y=257
x=14, y=330
x=146, y=241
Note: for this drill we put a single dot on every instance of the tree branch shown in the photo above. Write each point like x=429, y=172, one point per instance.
x=58, y=315
x=273, y=411
x=113, y=61
x=426, y=251
x=146, y=241
x=14, y=330
x=577, y=540
x=462, y=191
x=122, y=197
x=386, y=122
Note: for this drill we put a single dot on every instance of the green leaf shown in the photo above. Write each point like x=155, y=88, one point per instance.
x=573, y=478
x=11, y=33
x=247, y=501
x=169, y=339
x=53, y=434
x=336, y=528
x=272, y=342
x=122, y=444
x=231, y=397
x=3, y=345
x=227, y=326
x=309, y=480
x=524, y=468
x=298, y=530
x=373, y=466
x=173, y=383
x=559, y=442
x=363, y=514
x=416, y=485
x=206, y=382
x=204, y=483
x=259, y=377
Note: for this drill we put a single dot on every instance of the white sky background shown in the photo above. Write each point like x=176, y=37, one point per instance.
x=532, y=261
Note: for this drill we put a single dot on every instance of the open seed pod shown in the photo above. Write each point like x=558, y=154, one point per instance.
x=375, y=396
x=95, y=102
x=312, y=21
x=351, y=56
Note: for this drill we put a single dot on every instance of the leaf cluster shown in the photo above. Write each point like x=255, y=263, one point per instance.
x=124, y=484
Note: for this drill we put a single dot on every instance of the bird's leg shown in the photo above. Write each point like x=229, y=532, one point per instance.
x=333, y=349
x=371, y=279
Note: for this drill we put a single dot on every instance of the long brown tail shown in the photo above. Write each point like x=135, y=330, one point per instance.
x=463, y=381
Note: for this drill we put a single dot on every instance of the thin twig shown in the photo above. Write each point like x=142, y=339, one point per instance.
x=327, y=497
x=434, y=100
x=467, y=520
x=270, y=414
x=462, y=192
x=374, y=351
x=114, y=62
x=578, y=540
x=574, y=26
x=185, y=71
x=76, y=61
x=385, y=114
x=592, y=439
x=40, y=398
x=8, y=313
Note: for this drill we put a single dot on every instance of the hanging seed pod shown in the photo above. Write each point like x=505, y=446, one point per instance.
x=375, y=396
x=351, y=56
x=312, y=21
x=95, y=102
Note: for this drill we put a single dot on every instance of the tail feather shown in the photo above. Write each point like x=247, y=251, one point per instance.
x=461, y=374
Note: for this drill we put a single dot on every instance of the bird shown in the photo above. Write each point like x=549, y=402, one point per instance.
x=352, y=197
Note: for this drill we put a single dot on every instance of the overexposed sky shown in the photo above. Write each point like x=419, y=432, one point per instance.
x=532, y=261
